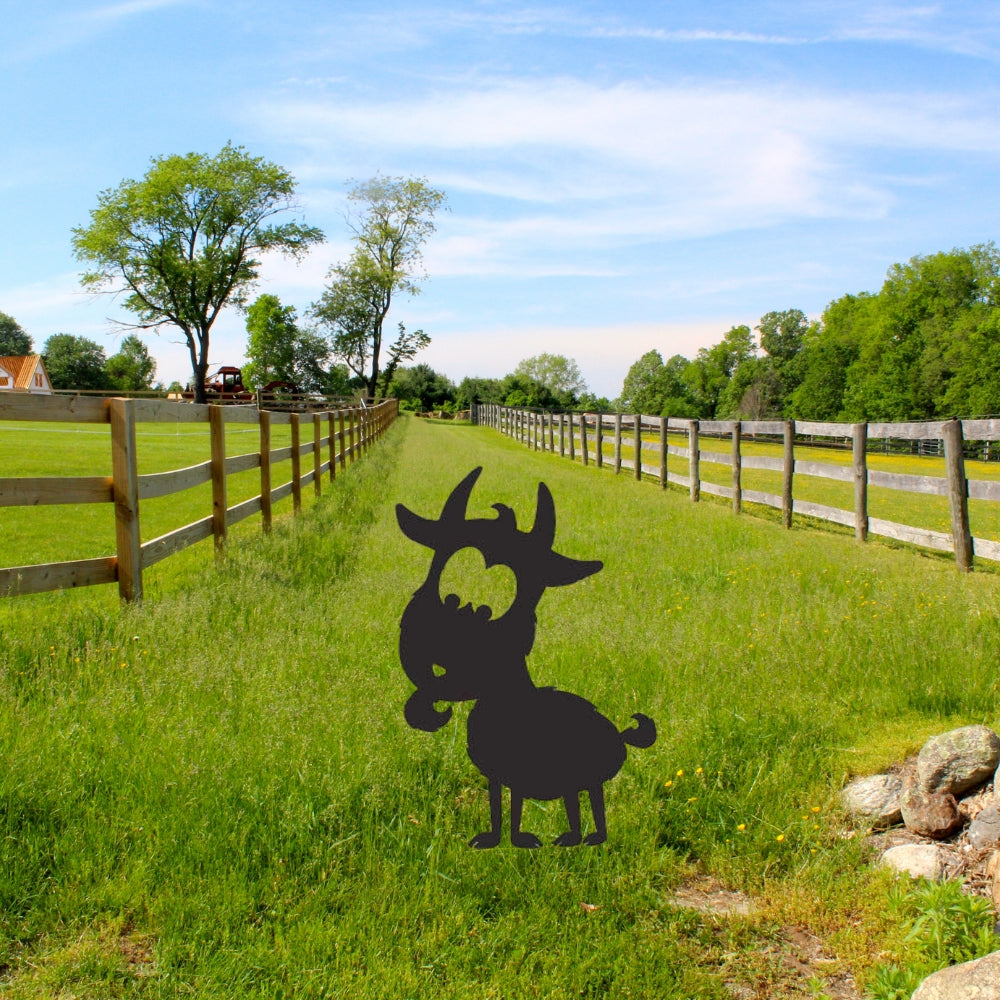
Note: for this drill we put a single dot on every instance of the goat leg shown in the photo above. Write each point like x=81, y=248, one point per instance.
x=572, y=836
x=600, y=833
x=491, y=837
x=517, y=838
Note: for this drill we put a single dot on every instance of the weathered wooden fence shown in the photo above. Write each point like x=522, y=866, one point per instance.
x=567, y=433
x=344, y=434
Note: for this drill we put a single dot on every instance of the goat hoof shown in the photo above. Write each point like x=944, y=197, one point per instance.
x=525, y=840
x=487, y=839
x=568, y=839
x=593, y=839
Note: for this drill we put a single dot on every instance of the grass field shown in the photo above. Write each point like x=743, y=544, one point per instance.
x=216, y=795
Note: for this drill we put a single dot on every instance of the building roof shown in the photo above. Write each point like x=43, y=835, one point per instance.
x=21, y=368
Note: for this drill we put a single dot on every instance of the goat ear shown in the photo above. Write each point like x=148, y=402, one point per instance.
x=415, y=527
x=561, y=570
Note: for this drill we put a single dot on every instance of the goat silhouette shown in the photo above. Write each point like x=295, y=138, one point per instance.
x=540, y=743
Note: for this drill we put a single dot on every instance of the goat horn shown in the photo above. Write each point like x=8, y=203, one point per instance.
x=456, y=504
x=544, y=528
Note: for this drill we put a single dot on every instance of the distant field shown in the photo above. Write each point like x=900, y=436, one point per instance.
x=215, y=794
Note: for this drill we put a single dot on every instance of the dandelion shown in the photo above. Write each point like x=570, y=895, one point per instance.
x=668, y=784
x=694, y=798
x=816, y=809
x=780, y=837
x=699, y=770
x=680, y=773
x=741, y=827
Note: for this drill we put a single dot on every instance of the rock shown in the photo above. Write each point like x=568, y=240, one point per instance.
x=875, y=798
x=993, y=876
x=958, y=760
x=916, y=860
x=985, y=828
x=978, y=980
x=929, y=814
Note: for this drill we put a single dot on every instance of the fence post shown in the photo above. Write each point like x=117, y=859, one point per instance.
x=637, y=445
x=265, y=470
x=618, y=443
x=859, y=449
x=958, y=494
x=562, y=435
x=341, y=440
x=217, y=437
x=296, y=464
x=583, y=439
x=787, y=471
x=552, y=433
x=599, y=440
x=317, y=456
x=694, y=461
x=737, y=468
x=331, y=421
x=351, y=413
x=572, y=437
x=126, y=494
x=663, y=452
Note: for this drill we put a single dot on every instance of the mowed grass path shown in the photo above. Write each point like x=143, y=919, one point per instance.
x=216, y=794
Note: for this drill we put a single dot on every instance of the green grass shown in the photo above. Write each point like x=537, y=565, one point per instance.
x=215, y=794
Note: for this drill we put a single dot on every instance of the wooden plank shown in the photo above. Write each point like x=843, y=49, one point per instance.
x=919, y=431
x=763, y=462
x=217, y=438
x=684, y=482
x=716, y=489
x=280, y=454
x=242, y=463
x=651, y=470
x=240, y=414
x=757, y=496
x=673, y=449
x=824, y=512
x=240, y=511
x=282, y=491
x=905, y=533
x=813, y=428
x=824, y=470
x=935, y=485
x=57, y=576
x=986, y=549
x=979, y=489
x=715, y=457
x=124, y=470
x=715, y=427
x=174, y=541
x=161, y=484
x=678, y=425
x=981, y=430
x=775, y=428
x=42, y=491
x=169, y=411
x=63, y=409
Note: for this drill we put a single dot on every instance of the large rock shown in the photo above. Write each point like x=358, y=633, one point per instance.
x=929, y=814
x=958, y=760
x=984, y=830
x=875, y=798
x=916, y=860
x=978, y=980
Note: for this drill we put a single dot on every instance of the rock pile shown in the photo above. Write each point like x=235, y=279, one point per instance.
x=944, y=799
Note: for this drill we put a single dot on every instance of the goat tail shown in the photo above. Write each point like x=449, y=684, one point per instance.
x=641, y=735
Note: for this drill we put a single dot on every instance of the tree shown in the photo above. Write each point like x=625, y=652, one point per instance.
x=132, y=368
x=396, y=219
x=473, y=390
x=421, y=388
x=14, y=342
x=74, y=362
x=709, y=374
x=185, y=241
x=271, y=342
x=559, y=374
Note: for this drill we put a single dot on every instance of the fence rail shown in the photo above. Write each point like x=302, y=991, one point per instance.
x=565, y=432
x=344, y=435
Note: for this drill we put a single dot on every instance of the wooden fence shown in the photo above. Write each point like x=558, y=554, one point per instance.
x=345, y=434
x=567, y=433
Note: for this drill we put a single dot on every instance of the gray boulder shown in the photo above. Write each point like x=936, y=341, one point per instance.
x=978, y=980
x=875, y=798
x=958, y=760
x=916, y=860
x=984, y=830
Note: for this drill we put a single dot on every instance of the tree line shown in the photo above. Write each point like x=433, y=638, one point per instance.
x=925, y=346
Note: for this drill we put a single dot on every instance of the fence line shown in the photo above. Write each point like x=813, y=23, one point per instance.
x=528, y=426
x=125, y=488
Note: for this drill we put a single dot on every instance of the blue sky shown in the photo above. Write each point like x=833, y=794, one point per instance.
x=621, y=176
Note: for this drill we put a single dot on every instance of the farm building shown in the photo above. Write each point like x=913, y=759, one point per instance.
x=24, y=374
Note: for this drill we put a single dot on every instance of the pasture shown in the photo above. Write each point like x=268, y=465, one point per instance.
x=215, y=793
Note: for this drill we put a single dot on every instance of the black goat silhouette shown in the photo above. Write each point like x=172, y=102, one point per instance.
x=539, y=742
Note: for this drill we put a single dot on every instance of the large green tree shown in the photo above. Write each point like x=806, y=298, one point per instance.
x=559, y=374
x=187, y=239
x=132, y=368
x=74, y=362
x=14, y=341
x=394, y=218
